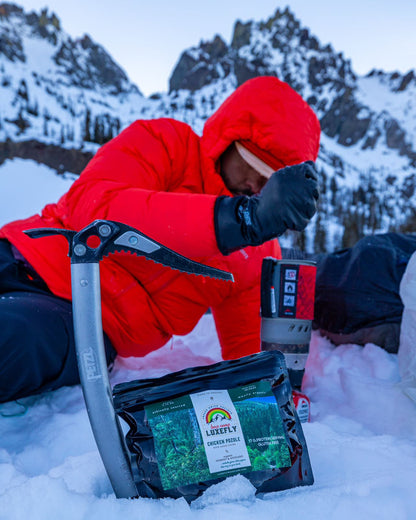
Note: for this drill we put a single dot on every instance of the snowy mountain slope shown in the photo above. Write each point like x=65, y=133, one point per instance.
x=41, y=186
x=56, y=89
x=70, y=93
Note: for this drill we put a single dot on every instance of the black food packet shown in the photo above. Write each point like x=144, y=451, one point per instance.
x=193, y=428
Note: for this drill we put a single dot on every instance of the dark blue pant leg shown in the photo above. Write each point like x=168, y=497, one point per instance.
x=34, y=345
x=37, y=346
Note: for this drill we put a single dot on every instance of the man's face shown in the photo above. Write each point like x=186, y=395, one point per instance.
x=239, y=177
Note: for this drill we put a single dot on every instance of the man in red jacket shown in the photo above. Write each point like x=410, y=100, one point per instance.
x=220, y=199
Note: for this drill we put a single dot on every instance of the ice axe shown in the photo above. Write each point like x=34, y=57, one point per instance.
x=86, y=248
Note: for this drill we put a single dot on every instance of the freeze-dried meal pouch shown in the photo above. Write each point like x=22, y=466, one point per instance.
x=194, y=428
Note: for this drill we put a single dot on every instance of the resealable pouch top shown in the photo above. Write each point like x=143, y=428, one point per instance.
x=194, y=428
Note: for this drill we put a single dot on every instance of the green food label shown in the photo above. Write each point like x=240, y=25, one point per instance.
x=218, y=433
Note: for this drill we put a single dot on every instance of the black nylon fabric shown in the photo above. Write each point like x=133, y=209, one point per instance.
x=37, y=343
x=358, y=288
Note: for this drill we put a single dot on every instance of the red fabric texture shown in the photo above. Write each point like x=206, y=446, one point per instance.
x=306, y=292
x=270, y=119
x=161, y=178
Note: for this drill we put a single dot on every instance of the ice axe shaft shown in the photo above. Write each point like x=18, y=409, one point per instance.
x=93, y=372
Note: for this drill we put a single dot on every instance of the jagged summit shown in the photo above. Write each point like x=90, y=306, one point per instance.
x=43, y=25
x=80, y=62
x=396, y=81
x=278, y=46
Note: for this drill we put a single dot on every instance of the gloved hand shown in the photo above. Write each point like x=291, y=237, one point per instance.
x=287, y=201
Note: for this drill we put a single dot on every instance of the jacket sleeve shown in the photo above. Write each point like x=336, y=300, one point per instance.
x=148, y=177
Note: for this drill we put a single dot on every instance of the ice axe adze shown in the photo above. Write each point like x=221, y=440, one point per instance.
x=86, y=249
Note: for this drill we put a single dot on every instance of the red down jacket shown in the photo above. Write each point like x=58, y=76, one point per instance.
x=161, y=178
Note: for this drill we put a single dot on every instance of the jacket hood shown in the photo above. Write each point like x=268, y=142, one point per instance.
x=270, y=119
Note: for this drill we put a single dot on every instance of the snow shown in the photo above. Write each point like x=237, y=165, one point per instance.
x=361, y=439
x=27, y=186
x=377, y=93
x=55, y=105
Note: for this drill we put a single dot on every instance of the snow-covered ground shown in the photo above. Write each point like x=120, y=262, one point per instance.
x=361, y=440
x=26, y=186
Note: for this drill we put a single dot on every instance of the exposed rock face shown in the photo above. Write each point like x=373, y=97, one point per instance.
x=98, y=69
x=192, y=72
x=242, y=35
x=83, y=61
x=343, y=120
x=60, y=159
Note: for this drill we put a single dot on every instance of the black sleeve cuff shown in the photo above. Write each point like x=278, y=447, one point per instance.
x=227, y=224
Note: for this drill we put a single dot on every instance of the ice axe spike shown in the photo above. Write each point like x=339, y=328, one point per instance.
x=86, y=248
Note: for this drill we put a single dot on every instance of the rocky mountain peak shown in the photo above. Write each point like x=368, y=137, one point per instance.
x=16, y=22
x=283, y=47
x=278, y=46
x=55, y=88
x=81, y=62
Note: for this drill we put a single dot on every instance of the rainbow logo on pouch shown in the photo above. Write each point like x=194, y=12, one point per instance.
x=216, y=414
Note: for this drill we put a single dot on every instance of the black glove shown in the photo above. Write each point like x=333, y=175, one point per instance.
x=287, y=201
